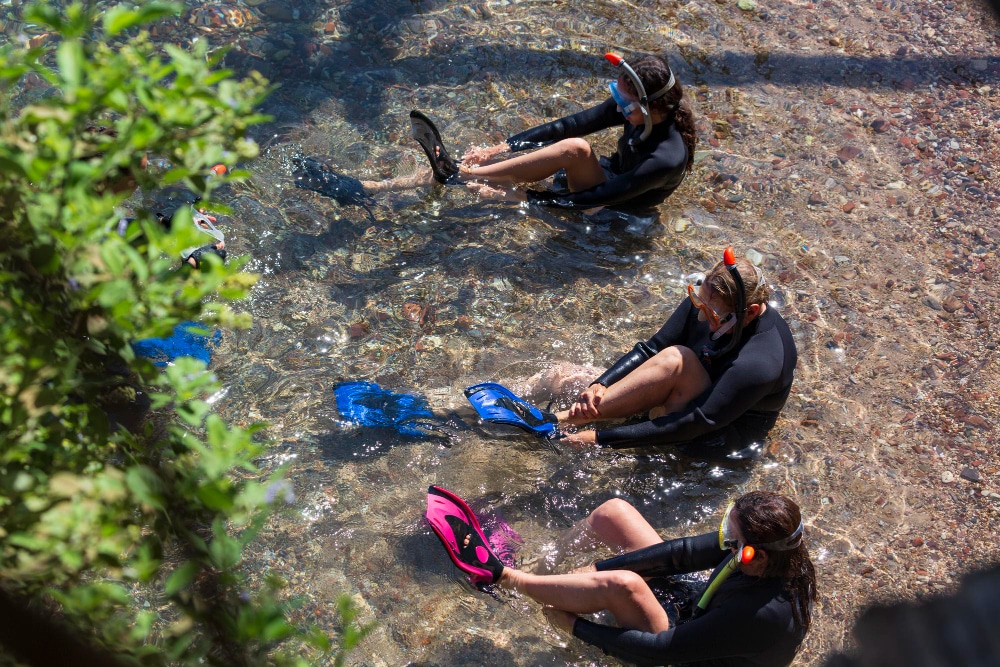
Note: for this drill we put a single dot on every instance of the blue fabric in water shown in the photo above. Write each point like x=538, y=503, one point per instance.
x=185, y=341
x=367, y=404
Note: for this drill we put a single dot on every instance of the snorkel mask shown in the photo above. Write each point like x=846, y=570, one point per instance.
x=644, y=100
x=204, y=224
x=745, y=552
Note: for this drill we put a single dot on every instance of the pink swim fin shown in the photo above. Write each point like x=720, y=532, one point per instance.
x=453, y=521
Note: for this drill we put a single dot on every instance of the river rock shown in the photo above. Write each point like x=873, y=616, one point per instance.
x=971, y=474
x=848, y=153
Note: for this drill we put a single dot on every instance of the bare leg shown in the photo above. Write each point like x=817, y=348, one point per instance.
x=668, y=381
x=583, y=171
x=556, y=382
x=620, y=525
x=418, y=180
x=623, y=593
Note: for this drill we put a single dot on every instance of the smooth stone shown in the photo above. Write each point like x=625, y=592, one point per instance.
x=750, y=5
x=933, y=301
x=754, y=257
x=971, y=474
x=947, y=477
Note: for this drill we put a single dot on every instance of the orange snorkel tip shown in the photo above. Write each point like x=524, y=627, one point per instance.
x=219, y=170
x=613, y=59
x=729, y=257
x=747, y=554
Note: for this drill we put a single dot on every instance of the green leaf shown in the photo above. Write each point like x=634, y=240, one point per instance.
x=121, y=18
x=181, y=578
x=145, y=485
x=215, y=498
x=70, y=57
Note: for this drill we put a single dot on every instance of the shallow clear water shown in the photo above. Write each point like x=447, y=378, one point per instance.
x=442, y=290
x=435, y=290
x=448, y=290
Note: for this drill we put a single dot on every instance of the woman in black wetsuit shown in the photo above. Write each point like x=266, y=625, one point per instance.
x=654, y=153
x=755, y=609
x=719, y=371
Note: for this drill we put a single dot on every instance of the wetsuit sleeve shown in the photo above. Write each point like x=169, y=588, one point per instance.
x=579, y=124
x=669, y=334
x=751, y=377
x=723, y=632
x=678, y=556
x=742, y=626
x=655, y=171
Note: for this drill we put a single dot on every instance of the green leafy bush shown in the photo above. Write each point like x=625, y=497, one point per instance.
x=94, y=517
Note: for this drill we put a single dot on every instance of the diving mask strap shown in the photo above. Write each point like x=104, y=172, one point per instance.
x=785, y=544
x=663, y=91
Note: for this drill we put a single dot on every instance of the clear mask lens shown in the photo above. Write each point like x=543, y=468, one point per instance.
x=626, y=107
x=727, y=540
x=714, y=319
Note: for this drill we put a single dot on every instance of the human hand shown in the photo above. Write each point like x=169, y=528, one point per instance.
x=476, y=155
x=588, y=402
x=561, y=620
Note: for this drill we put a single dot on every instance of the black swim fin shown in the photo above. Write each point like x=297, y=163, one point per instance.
x=427, y=135
x=311, y=174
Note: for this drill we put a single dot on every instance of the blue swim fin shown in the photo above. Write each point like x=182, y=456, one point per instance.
x=497, y=404
x=367, y=404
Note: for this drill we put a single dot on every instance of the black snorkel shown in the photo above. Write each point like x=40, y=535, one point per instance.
x=644, y=100
x=739, y=309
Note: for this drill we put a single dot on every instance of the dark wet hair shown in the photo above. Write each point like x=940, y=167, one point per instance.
x=764, y=516
x=721, y=282
x=654, y=72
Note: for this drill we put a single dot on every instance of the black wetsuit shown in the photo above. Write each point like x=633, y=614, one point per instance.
x=640, y=176
x=749, y=622
x=750, y=384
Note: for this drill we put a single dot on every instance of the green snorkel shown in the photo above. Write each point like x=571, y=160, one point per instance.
x=730, y=565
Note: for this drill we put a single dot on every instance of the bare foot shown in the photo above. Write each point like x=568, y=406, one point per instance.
x=493, y=192
x=580, y=440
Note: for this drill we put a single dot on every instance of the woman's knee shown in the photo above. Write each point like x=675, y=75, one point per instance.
x=623, y=584
x=670, y=360
x=576, y=148
x=613, y=511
